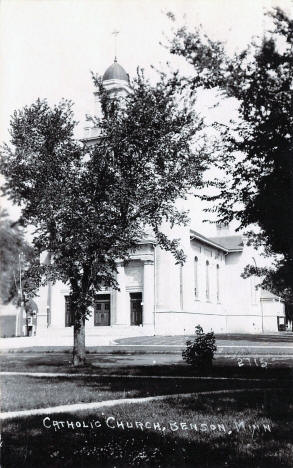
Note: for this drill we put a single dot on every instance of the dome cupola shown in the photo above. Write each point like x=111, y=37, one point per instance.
x=115, y=72
x=116, y=80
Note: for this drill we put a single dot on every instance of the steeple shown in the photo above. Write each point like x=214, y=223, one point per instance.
x=115, y=78
x=115, y=34
x=116, y=82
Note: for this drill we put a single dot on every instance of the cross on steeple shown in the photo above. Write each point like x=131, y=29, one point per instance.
x=115, y=34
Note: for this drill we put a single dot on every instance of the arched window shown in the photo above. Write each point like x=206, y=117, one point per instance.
x=218, y=283
x=196, y=277
x=207, y=280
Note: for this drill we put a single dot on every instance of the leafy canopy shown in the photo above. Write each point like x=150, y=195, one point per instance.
x=90, y=205
x=256, y=160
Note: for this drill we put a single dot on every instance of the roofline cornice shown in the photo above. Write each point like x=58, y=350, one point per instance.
x=205, y=240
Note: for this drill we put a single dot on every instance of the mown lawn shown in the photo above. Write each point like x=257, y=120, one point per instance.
x=26, y=392
x=144, y=364
x=252, y=429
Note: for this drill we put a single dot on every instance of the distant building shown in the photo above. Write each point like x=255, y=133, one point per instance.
x=16, y=321
x=158, y=297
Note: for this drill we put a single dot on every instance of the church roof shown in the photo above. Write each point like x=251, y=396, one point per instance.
x=231, y=243
x=205, y=240
x=115, y=72
x=226, y=243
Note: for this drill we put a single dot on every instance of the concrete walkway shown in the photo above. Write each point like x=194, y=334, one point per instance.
x=109, y=403
x=224, y=342
x=37, y=341
x=123, y=376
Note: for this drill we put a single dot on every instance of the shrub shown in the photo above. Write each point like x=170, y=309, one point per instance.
x=199, y=353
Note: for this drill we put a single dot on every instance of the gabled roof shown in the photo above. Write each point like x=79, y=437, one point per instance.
x=231, y=243
x=228, y=244
x=205, y=240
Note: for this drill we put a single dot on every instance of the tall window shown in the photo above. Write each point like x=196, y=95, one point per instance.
x=218, y=283
x=181, y=286
x=102, y=310
x=195, y=277
x=207, y=280
x=69, y=317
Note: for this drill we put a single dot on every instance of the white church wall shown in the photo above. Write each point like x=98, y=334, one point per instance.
x=167, y=282
x=243, y=324
x=271, y=310
x=168, y=296
x=200, y=309
x=174, y=323
x=241, y=296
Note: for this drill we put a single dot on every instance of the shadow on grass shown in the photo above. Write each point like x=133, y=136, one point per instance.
x=26, y=392
x=143, y=365
x=27, y=443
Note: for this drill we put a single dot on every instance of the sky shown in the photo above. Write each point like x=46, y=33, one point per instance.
x=49, y=47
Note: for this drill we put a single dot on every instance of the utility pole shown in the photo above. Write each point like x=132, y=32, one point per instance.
x=19, y=315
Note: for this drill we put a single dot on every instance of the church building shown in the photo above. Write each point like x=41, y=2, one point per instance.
x=158, y=297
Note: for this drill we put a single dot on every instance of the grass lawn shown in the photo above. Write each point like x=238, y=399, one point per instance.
x=220, y=431
x=24, y=392
x=143, y=364
x=240, y=430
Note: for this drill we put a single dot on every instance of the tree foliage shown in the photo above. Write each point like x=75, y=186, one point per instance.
x=256, y=161
x=90, y=204
x=16, y=257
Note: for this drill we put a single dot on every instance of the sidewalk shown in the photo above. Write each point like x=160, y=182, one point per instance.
x=38, y=341
x=170, y=343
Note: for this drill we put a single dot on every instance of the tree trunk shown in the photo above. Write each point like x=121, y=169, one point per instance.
x=79, y=342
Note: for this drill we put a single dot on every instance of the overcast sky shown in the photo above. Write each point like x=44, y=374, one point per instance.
x=48, y=47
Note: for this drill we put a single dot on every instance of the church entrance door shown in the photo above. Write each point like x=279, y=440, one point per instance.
x=136, y=308
x=102, y=311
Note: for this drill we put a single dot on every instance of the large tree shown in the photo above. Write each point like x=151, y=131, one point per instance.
x=256, y=160
x=90, y=205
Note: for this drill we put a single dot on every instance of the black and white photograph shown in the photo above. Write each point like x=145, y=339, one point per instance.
x=146, y=233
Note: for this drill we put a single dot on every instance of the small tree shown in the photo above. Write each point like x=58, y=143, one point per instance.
x=199, y=353
x=90, y=205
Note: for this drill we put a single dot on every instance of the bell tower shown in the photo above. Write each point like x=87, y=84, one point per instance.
x=116, y=80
